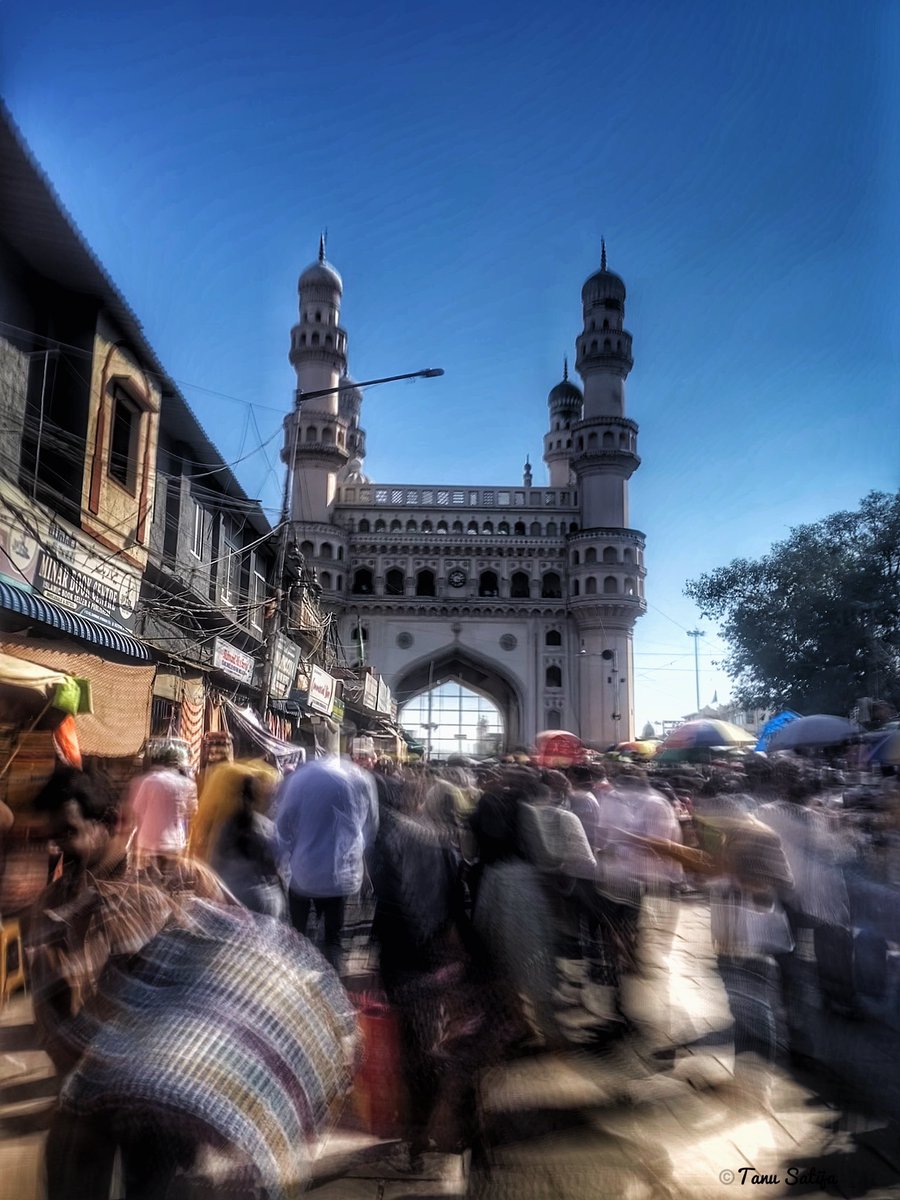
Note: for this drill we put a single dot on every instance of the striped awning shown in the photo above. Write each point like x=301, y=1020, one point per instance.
x=36, y=608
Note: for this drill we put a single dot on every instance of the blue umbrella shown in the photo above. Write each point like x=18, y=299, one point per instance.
x=818, y=730
x=771, y=726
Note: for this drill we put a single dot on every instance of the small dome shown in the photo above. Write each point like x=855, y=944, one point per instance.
x=355, y=472
x=608, y=281
x=321, y=274
x=566, y=392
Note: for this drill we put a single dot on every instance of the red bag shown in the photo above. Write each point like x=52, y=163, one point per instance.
x=378, y=1091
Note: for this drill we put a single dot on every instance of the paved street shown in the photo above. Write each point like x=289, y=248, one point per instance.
x=575, y=1126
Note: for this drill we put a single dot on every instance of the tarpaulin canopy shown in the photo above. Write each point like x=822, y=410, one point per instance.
x=772, y=726
x=121, y=694
x=251, y=726
x=20, y=673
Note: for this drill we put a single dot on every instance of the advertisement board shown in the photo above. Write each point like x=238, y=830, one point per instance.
x=286, y=659
x=370, y=691
x=41, y=554
x=321, y=691
x=233, y=662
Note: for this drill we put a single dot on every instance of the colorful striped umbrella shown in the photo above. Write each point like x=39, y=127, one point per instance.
x=695, y=734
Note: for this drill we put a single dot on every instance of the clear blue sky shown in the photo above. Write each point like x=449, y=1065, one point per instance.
x=741, y=159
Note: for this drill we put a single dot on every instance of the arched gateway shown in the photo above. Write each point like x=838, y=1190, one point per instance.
x=499, y=587
x=454, y=664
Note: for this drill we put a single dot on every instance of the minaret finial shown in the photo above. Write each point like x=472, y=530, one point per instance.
x=603, y=254
x=323, y=238
x=566, y=368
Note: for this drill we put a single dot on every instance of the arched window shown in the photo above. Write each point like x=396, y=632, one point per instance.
x=554, y=718
x=592, y=439
x=629, y=586
x=487, y=527
x=553, y=677
x=607, y=345
x=628, y=555
x=594, y=346
x=519, y=586
x=307, y=549
x=457, y=527
x=573, y=527
x=488, y=584
x=551, y=529
x=340, y=582
x=581, y=443
x=314, y=339
x=606, y=323
x=472, y=527
x=362, y=582
x=553, y=638
x=576, y=558
x=319, y=317
x=328, y=339
x=623, y=440
x=590, y=556
x=608, y=439
x=535, y=529
x=340, y=553
x=380, y=525
x=312, y=434
x=442, y=526
x=411, y=527
x=325, y=580
x=576, y=587
x=396, y=526
x=427, y=527
x=551, y=586
x=503, y=527
x=302, y=339
x=394, y=582
x=519, y=529
x=425, y=583
x=610, y=585
x=609, y=554
x=328, y=434
x=363, y=525
x=326, y=550
x=590, y=586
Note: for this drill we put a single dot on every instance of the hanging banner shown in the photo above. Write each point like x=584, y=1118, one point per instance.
x=321, y=691
x=370, y=691
x=384, y=697
x=233, y=662
x=286, y=658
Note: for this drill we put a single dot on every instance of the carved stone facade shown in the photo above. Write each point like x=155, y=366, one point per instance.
x=525, y=594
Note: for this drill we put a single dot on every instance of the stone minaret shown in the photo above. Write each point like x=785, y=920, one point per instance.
x=565, y=402
x=316, y=434
x=606, y=558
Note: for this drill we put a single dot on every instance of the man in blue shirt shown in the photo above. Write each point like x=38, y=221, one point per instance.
x=327, y=817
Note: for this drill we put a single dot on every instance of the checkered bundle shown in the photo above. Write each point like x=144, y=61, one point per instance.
x=231, y=1032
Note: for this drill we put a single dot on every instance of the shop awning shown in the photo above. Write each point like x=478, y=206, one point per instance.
x=36, y=608
x=19, y=673
x=250, y=725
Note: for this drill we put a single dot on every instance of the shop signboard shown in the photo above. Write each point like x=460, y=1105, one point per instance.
x=286, y=658
x=337, y=710
x=384, y=697
x=41, y=554
x=321, y=691
x=233, y=662
x=370, y=692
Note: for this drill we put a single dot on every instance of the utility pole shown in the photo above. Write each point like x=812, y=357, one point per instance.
x=696, y=634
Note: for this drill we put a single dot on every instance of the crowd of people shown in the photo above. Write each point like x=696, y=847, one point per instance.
x=186, y=958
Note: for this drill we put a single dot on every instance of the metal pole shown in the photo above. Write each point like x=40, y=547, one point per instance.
x=430, y=698
x=696, y=634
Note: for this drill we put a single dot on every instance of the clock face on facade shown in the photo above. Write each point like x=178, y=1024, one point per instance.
x=457, y=578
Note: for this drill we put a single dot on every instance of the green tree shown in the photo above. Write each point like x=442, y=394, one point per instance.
x=814, y=624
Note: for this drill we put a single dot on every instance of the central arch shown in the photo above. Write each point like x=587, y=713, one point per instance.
x=456, y=664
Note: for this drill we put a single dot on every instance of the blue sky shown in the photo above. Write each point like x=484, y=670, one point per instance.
x=741, y=160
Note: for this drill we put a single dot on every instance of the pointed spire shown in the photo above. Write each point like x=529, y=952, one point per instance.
x=323, y=238
x=603, y=254
x=566, y=369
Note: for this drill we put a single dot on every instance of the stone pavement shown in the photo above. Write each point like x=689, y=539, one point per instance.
x=580, y=1126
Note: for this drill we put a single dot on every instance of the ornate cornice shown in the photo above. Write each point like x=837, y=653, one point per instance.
x=430, y=606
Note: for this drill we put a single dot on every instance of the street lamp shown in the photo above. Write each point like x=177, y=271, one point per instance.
x=427, y=373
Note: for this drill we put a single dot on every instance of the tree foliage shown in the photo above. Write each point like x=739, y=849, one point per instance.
x=814, y=624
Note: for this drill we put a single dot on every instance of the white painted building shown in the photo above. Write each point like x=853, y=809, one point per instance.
x=527, y=595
